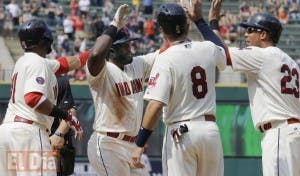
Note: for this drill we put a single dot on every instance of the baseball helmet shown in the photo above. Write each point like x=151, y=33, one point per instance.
x=172, y=18
x=34, y=32
x=123, y=36
x=266, y=22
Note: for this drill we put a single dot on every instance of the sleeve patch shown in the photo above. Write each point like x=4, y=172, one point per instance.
x=153, y=79
x=40, y=80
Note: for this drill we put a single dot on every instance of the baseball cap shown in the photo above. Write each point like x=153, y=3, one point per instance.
x=123, y=36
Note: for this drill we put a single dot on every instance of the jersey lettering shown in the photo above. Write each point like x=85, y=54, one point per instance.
x=127, y=89
x=134, y=87
x=13, y=87
x=137, y=85
x=287, y=79
x=198, y=77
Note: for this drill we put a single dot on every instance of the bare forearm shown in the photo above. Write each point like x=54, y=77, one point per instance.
x=63, y=127
x=100, y=51
x=73, y=62
x=49, y=109
x=69, y=63
x=152, y=114
x=45, y=107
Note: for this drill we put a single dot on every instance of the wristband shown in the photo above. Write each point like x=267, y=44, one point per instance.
x=59, y=113
x=83, y=57
x=142, y=137
x=201, y=21
x=57, y=133
x=214, y=24
x=111, y=31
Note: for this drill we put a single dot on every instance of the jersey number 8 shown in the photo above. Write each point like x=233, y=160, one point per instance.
x=199, y=81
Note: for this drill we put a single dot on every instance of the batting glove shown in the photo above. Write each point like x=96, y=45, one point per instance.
x=121, y=16
x=74, y=124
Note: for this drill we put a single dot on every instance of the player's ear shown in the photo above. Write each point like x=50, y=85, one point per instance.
x=264, y=36
x=112, y=53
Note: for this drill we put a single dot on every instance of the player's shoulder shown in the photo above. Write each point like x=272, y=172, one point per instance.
x=203, y=43
x=31, y=60
x=249, y=50
x=207, y=45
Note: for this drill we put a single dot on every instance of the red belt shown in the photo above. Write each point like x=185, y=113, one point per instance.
x=23, y=120
x=127, y=138
x=268, y=125
x=211, y=118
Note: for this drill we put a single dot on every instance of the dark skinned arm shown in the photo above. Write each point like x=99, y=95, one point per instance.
x=96, y=60
x=102, y=46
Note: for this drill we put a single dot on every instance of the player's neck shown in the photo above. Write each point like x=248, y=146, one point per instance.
x=118, y=64
x=37, y=51
x=266, y=44
x=171, y=40
x=174, y=41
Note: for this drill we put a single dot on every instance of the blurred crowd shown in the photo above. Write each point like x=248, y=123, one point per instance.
x=287, y=11
x=77, y=23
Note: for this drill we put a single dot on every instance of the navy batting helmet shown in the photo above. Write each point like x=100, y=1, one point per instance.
x=123, y=36
x=266, y=22
x=172, y=18
x=34, y=32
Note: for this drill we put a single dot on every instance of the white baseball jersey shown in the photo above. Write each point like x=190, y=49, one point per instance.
x=183, y=78
x=273, y=82
x=32, y=73
x=118, y=95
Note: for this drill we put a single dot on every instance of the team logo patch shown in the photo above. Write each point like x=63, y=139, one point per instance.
x=40, y=80
x=153, y=79
x=152, y=82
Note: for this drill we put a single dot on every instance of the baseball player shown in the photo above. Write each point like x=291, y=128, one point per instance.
x=24, y=145
x=273, y=88
x=116, y=83
x=182, y=86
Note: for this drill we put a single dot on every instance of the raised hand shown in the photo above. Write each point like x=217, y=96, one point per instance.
x=214, y=11
x=186, y=3
x=121, y=16
x=193, y=8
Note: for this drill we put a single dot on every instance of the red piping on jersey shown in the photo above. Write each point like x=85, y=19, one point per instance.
x=164, y=48
x=228, y=58
x=63, y=66
x=32, y=98
x=168, y=45
x=84, y=57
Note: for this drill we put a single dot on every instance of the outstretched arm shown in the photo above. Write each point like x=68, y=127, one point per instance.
x=69, y=63
x=195, y=14
x=150, y=120
x=102, y=46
